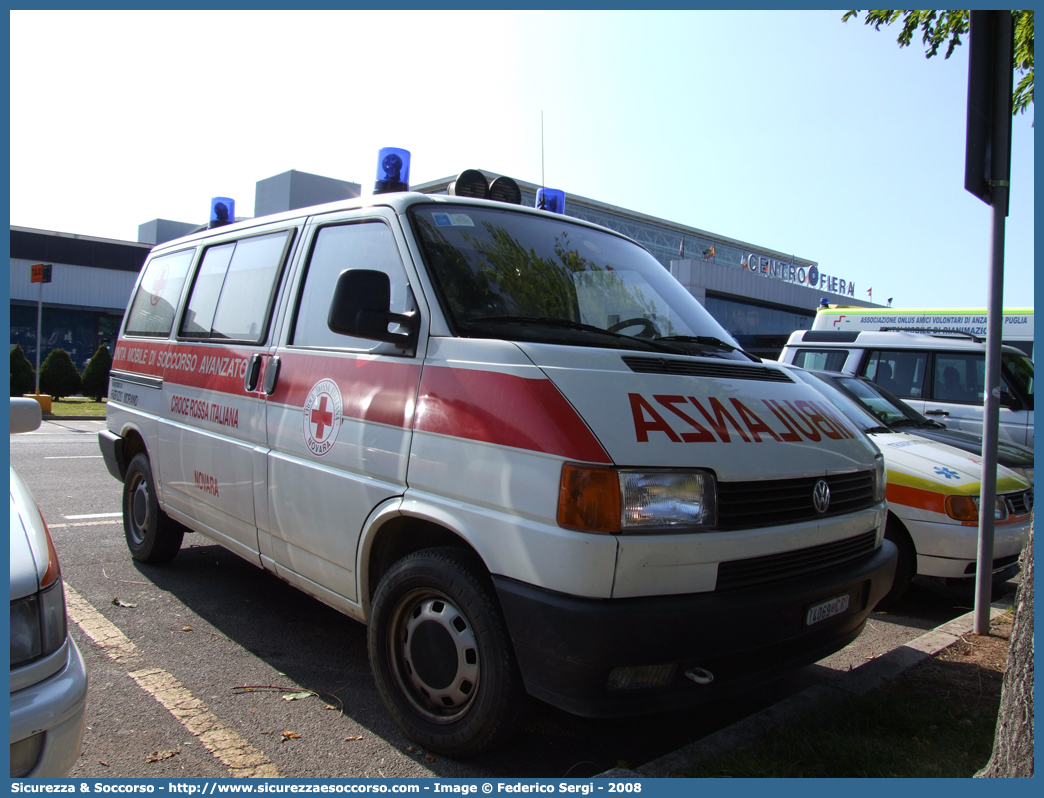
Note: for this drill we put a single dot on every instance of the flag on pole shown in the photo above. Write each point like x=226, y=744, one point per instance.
x=681, y=250
x=708, y=253
x=870, y=292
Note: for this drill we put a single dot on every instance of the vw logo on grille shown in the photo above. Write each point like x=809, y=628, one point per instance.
x=821, y=496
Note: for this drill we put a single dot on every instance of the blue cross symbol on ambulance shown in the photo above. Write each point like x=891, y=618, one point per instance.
x=947, y=472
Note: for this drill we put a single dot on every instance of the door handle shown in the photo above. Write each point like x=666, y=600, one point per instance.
x=271, y=375
x=937, y=412
x=253, y=373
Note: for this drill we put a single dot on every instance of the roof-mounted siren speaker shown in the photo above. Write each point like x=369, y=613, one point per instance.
x=222, y=212
x=469, y=183
x=550, y=199
x=393, y=171
x=504, y=189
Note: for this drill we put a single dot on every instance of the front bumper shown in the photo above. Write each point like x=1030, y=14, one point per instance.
x=111, y=446
x=567, y=646
x=948, y=551
x=56, y=709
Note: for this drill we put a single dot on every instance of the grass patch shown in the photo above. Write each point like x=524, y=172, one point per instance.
x=937, y=720
x=77, y=406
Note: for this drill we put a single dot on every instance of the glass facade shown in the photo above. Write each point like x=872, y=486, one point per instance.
x=78, y=332
x=761, y=329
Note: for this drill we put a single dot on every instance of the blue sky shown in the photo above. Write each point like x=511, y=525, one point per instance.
x=789, y=130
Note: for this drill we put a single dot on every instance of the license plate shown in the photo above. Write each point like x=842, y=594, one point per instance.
x=820, y=612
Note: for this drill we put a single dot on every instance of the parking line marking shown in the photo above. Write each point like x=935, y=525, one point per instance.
x=74, y=457
x=93, y=515
x=239, y=756
x=83, y=523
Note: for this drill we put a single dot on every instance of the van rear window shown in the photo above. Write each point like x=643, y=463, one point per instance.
x=152, y=312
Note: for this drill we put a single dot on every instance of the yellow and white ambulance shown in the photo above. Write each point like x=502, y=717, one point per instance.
x=505, y=439
x=933, y=503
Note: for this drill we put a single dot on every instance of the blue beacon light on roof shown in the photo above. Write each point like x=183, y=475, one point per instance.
x=222, y=211
x=393, y=171
x=550, y=199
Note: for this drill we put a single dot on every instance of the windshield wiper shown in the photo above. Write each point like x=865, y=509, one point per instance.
x=571, y=325
x=877, y=429
x=709, y=341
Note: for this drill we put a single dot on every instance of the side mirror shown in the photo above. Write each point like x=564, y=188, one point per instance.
x=1009, y=401
x=26, y=415
x=361, y=308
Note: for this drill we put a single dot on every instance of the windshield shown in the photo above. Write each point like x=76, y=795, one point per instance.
x=853, y=411
x=520, y=276
x=890, y=411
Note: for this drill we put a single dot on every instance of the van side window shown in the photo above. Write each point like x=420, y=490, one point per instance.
x=823, y=360
x=152, y=312
x=362, y=245
x=900, y=372
x=958, y=377
x=233, y=291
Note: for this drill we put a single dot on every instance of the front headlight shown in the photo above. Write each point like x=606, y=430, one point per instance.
x=667, y=498
x=880, y=478
x=966, y=508
x=38, y=625
x=612, y=501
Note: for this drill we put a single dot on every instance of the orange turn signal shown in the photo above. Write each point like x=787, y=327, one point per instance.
x=962, y=508
x=589, y=499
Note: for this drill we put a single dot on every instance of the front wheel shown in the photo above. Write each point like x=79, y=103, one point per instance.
x=152, y=535
x=441, y=656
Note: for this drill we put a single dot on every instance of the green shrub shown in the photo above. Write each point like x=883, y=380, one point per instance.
x=58, y=375
x=23, y=375
x=95, y=380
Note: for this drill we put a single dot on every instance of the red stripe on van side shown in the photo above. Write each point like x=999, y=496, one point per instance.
x=505, y=410
x=214, y=368
x=381, y=391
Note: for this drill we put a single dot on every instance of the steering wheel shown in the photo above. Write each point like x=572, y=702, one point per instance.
x=649, y=328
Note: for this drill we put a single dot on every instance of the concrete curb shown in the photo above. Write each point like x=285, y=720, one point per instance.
x=856, y=682
x=51, y=417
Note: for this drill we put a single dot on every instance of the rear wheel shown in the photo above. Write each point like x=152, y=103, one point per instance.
x=441, y=656
x=905, y=564
x=152, y=536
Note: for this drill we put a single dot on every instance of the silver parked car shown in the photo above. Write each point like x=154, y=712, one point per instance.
x=48, y=678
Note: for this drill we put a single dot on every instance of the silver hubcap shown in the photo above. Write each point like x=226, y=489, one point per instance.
x=435, y=656
x=139, y=510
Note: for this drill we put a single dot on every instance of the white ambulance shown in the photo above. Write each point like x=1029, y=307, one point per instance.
x=505, y=439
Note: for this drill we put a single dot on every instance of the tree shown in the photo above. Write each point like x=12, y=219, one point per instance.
x=23, y=375
x=1013, y=743
x=95, y=380
x=58, y=375
x=938, y=27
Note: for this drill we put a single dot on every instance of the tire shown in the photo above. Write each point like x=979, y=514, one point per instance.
x=441, y=655
x=905, y=564
x=152, y=536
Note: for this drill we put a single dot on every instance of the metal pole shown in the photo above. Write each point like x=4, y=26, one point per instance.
x=39, y=324
x=999, y=188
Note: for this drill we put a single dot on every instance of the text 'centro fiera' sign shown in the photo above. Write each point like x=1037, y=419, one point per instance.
x=790, y=272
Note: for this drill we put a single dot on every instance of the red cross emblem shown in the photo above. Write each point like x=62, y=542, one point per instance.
x=322, y=417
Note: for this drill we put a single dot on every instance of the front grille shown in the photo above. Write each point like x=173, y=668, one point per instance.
x=1020, y=503
x=790, y=564
x=747, y=505
x=696, y=368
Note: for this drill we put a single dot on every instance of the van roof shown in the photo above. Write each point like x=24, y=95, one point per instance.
x=938, y=339
x=399, y=202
